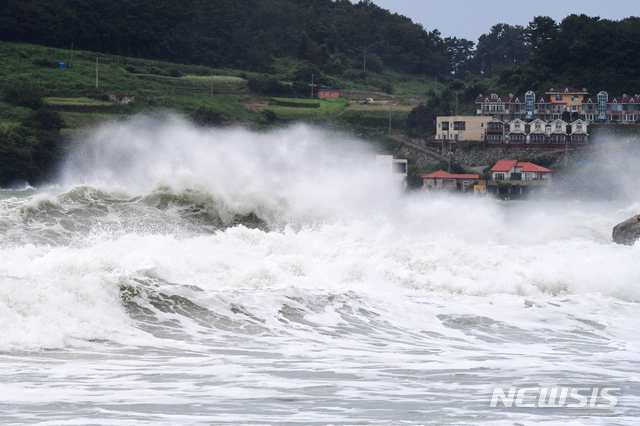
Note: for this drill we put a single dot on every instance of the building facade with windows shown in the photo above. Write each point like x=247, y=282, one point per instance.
x=567, y=103
x=453, y=182
x=518, y=132
x=511, y=177
x=461, y=128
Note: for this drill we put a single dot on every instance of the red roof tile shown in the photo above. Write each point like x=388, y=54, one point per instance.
x=530, y=167
x=504, y=165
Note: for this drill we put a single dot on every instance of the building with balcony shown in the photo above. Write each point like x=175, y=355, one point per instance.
x=567, y=103
x=603, y=106
x=518, y=132
x=442, y=180
x=511, y=177
x=567, y=99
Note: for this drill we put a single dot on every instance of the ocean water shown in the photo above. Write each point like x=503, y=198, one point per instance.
x=181, y=276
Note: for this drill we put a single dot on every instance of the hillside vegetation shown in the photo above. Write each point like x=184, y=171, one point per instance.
x=252, y=62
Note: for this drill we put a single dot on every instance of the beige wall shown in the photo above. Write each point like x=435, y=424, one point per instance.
x=474, y=128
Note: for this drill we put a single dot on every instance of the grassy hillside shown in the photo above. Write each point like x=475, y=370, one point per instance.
x=42, y=101
x=130, y=85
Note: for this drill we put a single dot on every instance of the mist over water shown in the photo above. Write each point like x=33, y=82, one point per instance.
x=180, y=275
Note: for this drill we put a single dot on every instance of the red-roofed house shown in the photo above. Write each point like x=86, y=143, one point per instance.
x=444, y=180
x=511, y=177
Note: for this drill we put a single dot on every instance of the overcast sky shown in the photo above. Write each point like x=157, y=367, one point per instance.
x=471, y=18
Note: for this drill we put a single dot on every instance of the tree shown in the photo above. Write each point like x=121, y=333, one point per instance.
x=22, y=93
x=503, y=47
x=542, y=29
x=461, y=56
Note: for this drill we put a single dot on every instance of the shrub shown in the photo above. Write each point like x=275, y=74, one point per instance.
x=44, y=119
x=208, y=117
x=22, y=93
x=44, y=63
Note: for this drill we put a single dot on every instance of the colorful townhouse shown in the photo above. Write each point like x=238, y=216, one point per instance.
x=573, y=103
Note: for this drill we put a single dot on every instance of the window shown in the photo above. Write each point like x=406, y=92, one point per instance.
x=558, y=97
x=459, y=125
x=536, y=138
x=538, y=125
x=529, y=99
x=481, y=124
x=445, y=125
x=529, y=176
x=579, y=126
x=517, y=126
x=603, y=97
x=574, y=97
x=498, y=176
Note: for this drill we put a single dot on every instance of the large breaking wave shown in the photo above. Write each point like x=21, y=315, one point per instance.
x=155, y=224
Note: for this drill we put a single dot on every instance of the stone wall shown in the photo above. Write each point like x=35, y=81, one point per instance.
x=477, y=155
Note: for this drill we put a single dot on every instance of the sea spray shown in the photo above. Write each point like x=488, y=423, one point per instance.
x=179, y=275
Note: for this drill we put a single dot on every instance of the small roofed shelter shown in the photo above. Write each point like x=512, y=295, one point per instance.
x=448, y=181
x=328, y=93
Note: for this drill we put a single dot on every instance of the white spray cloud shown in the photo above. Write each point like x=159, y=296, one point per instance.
x=299, y=172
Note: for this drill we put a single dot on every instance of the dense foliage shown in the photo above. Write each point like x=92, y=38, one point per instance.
x=582, y=52
x=29, y=139
x=246, y=34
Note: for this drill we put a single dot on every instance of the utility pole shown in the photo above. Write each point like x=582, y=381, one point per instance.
x=365, y=60
x=390, y=102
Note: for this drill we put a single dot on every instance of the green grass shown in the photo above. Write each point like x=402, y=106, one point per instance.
x=74, y=101
x=327, y=108
x=297, y=101
x=74, y=87
x=216, y=79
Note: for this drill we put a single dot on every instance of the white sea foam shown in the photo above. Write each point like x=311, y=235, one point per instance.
x=354, y=304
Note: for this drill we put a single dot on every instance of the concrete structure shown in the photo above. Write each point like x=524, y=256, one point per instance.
x=461, y=128
x=442, y=180
x=396, y=167
x=510, y=177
